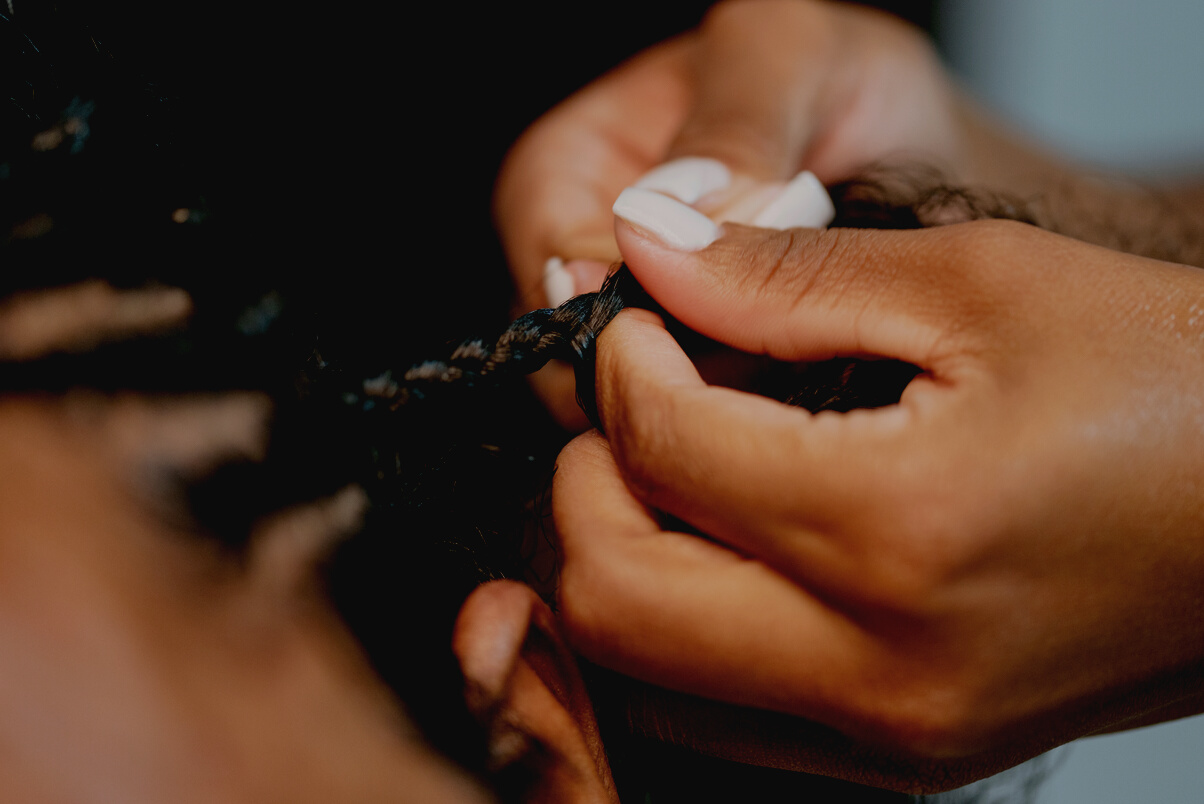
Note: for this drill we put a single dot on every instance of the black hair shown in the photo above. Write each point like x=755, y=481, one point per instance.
x=108, y=174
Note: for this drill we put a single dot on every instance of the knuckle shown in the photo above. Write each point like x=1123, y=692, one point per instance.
x=578, y=604
x=832, y=253
x=926, y=541
x=925, y=705
x=1004, y=231
x=971, y=275
x=982, y=242
x=586, y=595
x=773, y=263
x=829, y=265
x=643, y=442
x=930, y=720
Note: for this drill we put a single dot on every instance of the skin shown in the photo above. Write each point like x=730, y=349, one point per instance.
x=771, y=87
x=524, y=686
x=1007, y=562
x=142, y=663
x=1007, y=559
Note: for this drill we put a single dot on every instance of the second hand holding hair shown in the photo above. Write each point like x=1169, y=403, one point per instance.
x=1005, y=560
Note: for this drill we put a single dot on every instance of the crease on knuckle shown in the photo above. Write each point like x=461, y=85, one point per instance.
x=588, y=596
x=822, y=265
x=925, y=706
x=934, y=553
x=778, y=261
x=929, y=719
x=644, y=442
x=924, y=543
x=582, y=608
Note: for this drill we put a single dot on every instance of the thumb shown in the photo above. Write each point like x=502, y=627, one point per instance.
x=752, y=117
x=797, y=295
x=755, y=98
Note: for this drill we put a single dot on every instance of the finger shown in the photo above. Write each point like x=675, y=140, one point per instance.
x=681, y=612
x=553, y=195
x=687, y=615
x=522, y=683
x=555, y=189
x=711, y=188
x=737, y=155
x=759, y=75
x=801, y=295
x=791, y=488
x=79, y=316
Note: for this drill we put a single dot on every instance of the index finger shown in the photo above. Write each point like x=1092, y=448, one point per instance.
x=685, y=613
x=772, y=480
x=760, y=70
x=555, y=189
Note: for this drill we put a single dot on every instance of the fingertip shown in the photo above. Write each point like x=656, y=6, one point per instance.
x=489, y=632
x=803, y=202
x=703, y=289
x=590, y=446
x=558, y=284
x=663, y=220
x=588, y=275
x=666, y=273
x=687, y=178
x=593, y=508
x=564, y=280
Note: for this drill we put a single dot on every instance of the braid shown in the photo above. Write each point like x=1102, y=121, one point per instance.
x=453, y=481
x=881, y=199
x=149, y=191
x=567, y=333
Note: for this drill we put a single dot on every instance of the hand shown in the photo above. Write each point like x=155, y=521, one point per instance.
x=143, y=664
x=1007, y=559
x=765, y=87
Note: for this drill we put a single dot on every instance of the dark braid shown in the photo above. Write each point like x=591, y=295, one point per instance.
x=884, y=199
x=130, y=183
x=566, y=333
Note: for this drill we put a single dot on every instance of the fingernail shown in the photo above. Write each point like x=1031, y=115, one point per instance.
x=687, y=179
x=558, y=283
x=802, y=202
x=671, y=222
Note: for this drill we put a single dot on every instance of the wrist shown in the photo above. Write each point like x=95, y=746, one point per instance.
x=1160, y=222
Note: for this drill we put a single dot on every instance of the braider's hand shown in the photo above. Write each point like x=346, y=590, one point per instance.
x=762, y=90
x=1007, y=559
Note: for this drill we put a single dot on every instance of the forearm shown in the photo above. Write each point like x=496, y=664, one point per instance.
x=1160, y=221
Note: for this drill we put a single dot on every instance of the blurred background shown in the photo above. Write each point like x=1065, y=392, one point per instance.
x=1113, y=82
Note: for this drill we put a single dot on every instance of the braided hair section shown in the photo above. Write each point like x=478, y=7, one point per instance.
x=568, y=332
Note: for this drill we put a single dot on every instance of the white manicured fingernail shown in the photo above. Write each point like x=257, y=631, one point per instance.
x=671, y=222
x=687, y=179
x=557, y=282
x=802, y=202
